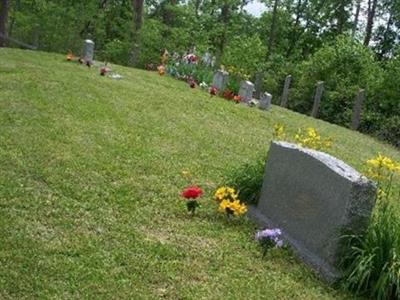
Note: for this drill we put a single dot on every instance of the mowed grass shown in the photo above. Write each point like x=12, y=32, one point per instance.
x=90, y=178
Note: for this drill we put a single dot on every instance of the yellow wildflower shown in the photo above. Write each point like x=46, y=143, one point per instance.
x=311, y=139
x=279, y=132
x=381, y=168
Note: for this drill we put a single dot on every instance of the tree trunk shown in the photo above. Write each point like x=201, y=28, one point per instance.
x=197, y=4
x=356, y=17
x=295, y=27
x=88, y=25
x=385, y=47
x=4, y=5
x=222, y=39
x=304, y=28
x=272, y=30
x=137, y=6
x=370, y=21
x=341, y=17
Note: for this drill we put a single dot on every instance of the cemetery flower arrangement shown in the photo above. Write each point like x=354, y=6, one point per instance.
x=104, y=70
x=191, y=195
x=213, y=91
x=161, y=70
x=229, y=203
x=237, y=98
x=228, y=94
x=269, y=238
x=203, y=85
x=70, y=56
x=192, y=83
x=225, y=193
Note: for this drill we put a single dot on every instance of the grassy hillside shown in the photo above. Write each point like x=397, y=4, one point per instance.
x=90, y=177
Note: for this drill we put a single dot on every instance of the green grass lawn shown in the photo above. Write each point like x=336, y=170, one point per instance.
x=90, y=175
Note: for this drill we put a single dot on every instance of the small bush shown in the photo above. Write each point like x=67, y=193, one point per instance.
x=390, y=130
x=247, y=180
x=372, y=263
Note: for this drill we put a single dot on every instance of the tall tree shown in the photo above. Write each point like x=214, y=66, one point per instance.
x=137, y=6
x=356, y=18
x=271, y=37
x=4, y=6
x=370, y=21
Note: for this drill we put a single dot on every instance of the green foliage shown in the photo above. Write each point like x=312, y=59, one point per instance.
x=245, y=53
x=390, y=130
x=372, y=261
x=247, y=180
x=344, y=67
x=151, y=34
x=116, y=51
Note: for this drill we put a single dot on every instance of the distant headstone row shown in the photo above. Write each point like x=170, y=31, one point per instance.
x=220, y=80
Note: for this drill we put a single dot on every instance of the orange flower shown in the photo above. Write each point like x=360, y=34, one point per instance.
x=237, y=98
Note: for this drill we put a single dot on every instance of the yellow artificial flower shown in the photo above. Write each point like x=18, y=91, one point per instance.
x=232, y=207
x=225, y=193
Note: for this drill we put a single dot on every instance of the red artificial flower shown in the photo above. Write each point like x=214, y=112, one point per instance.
x=192, y=83
x=213, y=91
x=103, y=71
x=192, y=192
x=228, y=94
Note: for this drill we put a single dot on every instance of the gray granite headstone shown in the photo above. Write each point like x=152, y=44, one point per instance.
x=314, y=198
x=220, y=79
x=265, y=101
x=88, y=51
x=246, y=91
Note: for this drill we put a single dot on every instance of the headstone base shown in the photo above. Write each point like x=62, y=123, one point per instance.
x=317, y=265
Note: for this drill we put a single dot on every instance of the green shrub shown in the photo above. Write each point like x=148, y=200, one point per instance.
x=390, y=130
x=372, y=261
x=247, y=180
x=116, y=52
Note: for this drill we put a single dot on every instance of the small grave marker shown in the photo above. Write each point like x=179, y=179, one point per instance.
x=246, y=91
x=220, y=79
x=88, y=51
x=265, y=101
